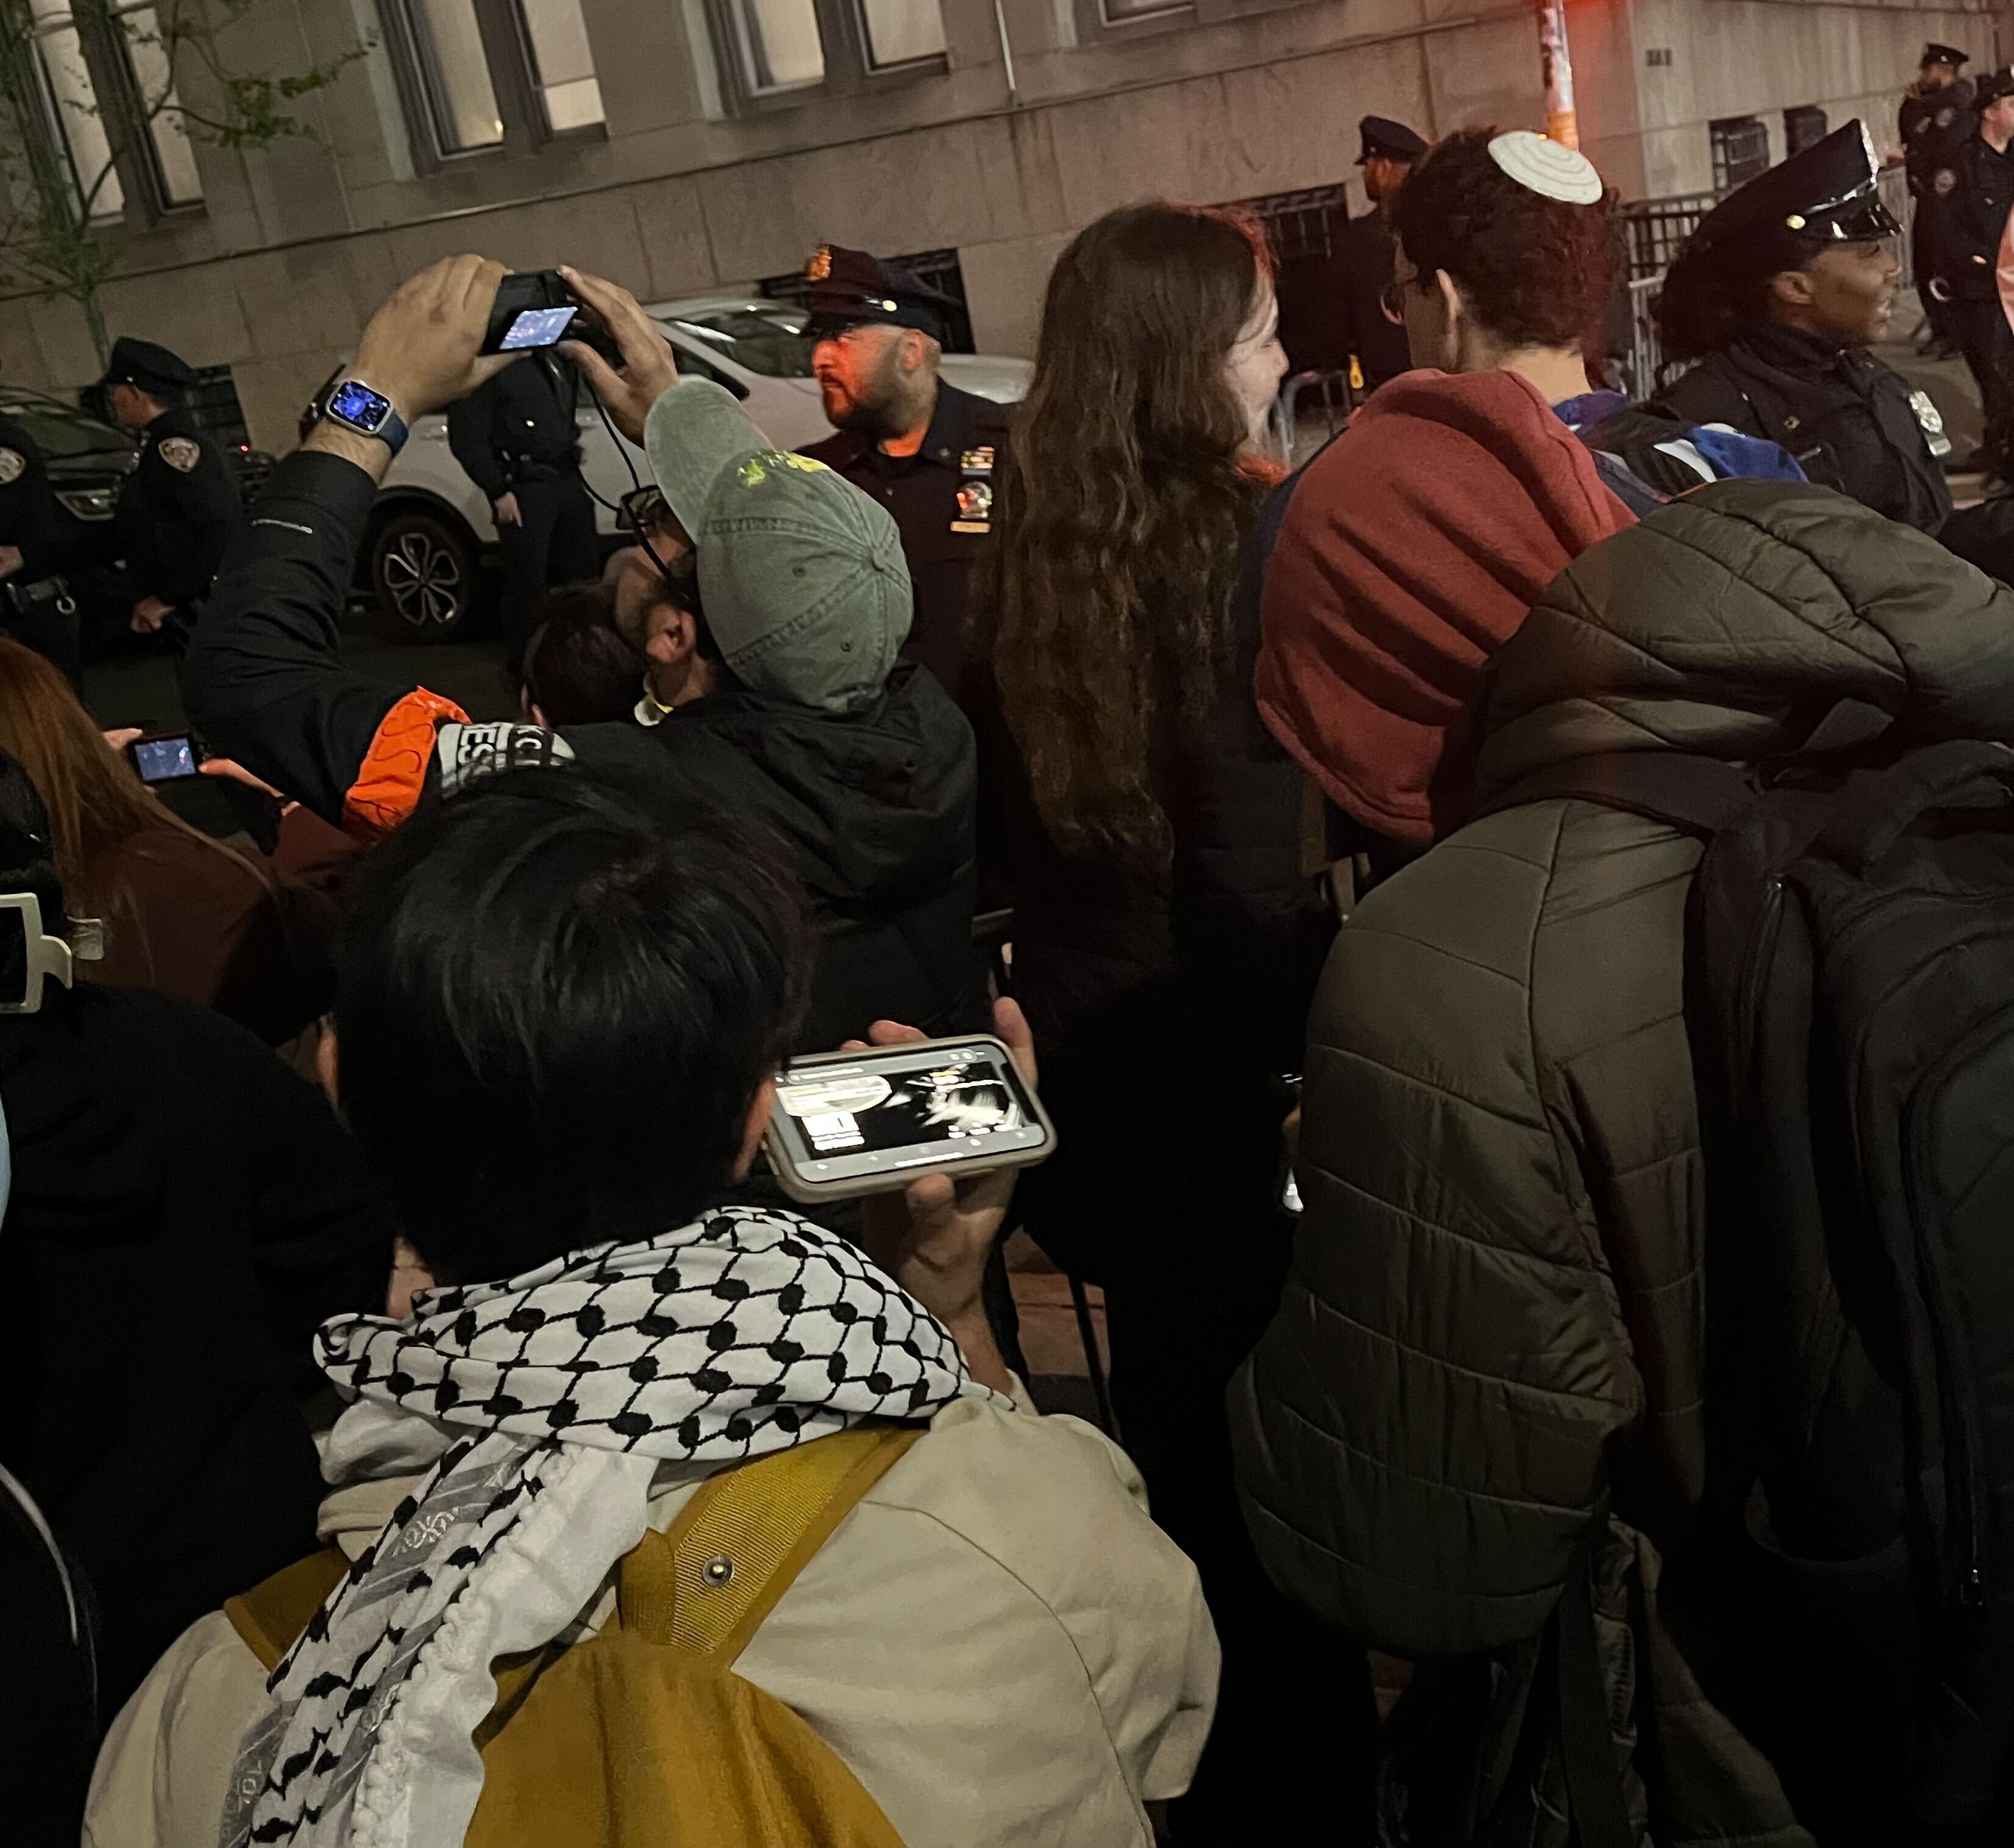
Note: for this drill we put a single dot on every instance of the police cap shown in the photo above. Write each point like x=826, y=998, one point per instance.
x=152, y=368
x=1831, y=189
x=1991, y=87
x=1394, y=141
x=1934, y=53
x=850, y=288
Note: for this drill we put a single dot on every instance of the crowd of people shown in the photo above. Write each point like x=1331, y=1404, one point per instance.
x=1509, y=921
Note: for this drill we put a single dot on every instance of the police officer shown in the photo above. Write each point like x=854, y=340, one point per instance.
x=519, y=437
x=929, y=452
x=1979, y=189
x=40, y=540
x=1331, y=302
x=1934, y=122
x=1778, y=296
x=178, y=509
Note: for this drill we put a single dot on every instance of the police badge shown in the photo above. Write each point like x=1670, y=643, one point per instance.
x=181, y=454
x=14, y=465
x=975, y=507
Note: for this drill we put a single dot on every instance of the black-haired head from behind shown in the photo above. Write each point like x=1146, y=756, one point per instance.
x=554, y=1016
x=579, y=669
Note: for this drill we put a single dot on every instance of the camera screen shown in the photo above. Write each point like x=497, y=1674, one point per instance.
x=161, y=760
x=906, y=1107
x=536, y=327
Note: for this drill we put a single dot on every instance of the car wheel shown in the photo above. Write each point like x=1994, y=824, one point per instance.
x=424, y=576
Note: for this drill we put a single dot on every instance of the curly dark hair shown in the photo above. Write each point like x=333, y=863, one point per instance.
x=1711, y=294
x=1535, y=271
x=1105, y=601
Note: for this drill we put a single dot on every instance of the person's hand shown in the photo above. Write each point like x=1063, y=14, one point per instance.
x=934, y=1237
x=149, y=614
x=505, y=508
x=410, y=1275
x=10, y=560
x=648, y=369
x=421, y=349
x=119, y=737
x=230, y=770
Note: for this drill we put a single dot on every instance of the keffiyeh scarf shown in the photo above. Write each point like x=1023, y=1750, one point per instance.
x=545, y=1404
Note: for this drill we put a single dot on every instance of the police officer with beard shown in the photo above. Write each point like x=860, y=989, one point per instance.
x=928, y=452
x=1934, y=122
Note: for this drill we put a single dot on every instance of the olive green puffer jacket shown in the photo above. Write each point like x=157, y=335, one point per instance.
x=1491, y=1348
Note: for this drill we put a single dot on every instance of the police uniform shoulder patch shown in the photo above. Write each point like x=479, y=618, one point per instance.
x=1943, y=181
x=181, y=454
x=14, y=465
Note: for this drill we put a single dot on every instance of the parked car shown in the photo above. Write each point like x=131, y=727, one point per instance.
x=432, y=534
x=86, y=458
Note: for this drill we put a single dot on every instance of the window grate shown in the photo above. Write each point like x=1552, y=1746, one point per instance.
x=1740, y=150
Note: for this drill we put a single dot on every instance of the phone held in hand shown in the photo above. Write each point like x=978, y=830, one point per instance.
x=164, y=758
x=847, y=1124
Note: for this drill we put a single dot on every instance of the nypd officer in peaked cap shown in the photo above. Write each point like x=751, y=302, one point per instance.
x=928, y=452
x=43, y=545
x=1979, y=191
x=1934, y=121
x=1778, y=297
x=180, y=507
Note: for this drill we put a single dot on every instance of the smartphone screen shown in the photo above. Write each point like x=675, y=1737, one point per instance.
x=162, y=760
x=536, y=327
x=901, y=1107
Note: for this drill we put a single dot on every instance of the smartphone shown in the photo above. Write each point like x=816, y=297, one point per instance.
x=164, y=758
x=533, y=308
x=864, y=1122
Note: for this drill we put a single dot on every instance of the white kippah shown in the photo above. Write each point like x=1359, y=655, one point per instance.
x=1546, y=167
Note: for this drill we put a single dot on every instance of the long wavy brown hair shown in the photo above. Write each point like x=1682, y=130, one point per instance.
x=94, y=799
x=1104, y=602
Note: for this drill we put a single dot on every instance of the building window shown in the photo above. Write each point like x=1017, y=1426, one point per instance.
x=562, y=65
x=1119, y=12
x=1740, y=150
x=454, y=73
x=171, y=159
x=1802, y=128
x=73, y=123
x=776, y=52
x=894, y=32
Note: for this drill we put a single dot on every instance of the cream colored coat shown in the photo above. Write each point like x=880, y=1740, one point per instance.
x=997, y=1642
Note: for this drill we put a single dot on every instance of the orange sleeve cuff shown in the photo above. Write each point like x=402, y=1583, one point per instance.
x=394, y=769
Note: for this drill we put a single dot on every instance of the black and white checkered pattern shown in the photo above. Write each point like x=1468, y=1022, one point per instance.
x=549, y=1400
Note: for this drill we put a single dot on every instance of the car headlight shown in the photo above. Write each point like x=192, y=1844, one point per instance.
x=89, y=503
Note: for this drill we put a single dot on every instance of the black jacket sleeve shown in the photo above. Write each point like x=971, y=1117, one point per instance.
x=263, y=680
x=472, y=435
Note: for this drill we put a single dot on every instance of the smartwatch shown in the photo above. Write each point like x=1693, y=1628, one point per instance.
x=355, y=406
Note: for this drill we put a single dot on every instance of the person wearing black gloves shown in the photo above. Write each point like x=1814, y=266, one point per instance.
x=805, y=730
x=519, y=437
x=180, y=507
x=40, y=540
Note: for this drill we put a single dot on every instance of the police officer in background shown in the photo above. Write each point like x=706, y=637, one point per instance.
x=1778, y=296
x=518, y=438
x=1979, y=189
x=1934, y=122
x=40, y=540
x=180, y=507
x=928, y=452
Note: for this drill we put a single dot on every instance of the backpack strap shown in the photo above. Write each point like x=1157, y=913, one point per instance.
x=1697, y=795
x=270, y=1616
x=740, y=1541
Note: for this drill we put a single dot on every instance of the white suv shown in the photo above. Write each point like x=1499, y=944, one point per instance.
x=430, y=529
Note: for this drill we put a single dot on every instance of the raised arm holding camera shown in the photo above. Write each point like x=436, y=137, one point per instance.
x=811, y=729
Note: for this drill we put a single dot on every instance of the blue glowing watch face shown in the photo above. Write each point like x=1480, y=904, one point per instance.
x=359, y=405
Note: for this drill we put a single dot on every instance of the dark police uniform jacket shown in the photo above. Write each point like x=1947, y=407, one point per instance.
x=1983, y=191
x=1365, y=263
x=520, y=426
x=1852, y=422
x=1933, y=129
x=51, y=538
x=942, y=500
x=177, y=511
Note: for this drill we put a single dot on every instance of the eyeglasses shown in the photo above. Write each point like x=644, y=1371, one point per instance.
x=645, y=509
x=647, y=513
